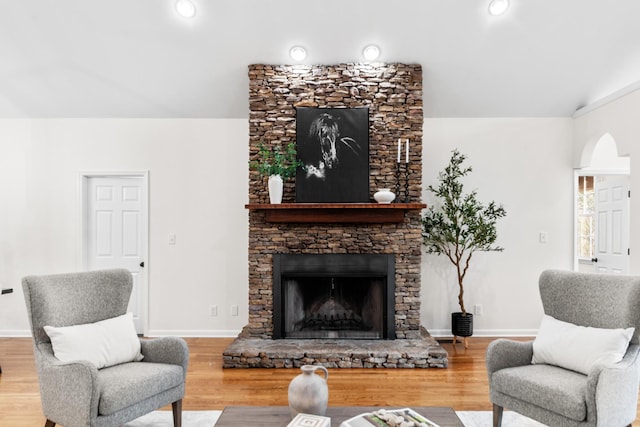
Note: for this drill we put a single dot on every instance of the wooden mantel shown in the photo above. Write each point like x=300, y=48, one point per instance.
x=354, y=213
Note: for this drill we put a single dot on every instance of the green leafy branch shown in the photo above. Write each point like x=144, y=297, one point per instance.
x=274, y=161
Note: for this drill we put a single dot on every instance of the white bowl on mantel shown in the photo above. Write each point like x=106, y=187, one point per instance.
x=384, y=196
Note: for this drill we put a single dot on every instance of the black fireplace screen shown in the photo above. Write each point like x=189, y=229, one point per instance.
x=334, y=296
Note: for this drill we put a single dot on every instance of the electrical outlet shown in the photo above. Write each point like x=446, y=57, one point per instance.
x=234, y=310
x=477, y=310
x=544, y=237
x=213, y=311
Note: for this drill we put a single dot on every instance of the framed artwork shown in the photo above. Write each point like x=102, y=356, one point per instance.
x=333, y=146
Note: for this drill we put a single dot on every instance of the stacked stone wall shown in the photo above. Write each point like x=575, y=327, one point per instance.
x=393, y=95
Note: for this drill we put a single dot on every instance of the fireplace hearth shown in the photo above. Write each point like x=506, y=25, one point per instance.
x=421, y=352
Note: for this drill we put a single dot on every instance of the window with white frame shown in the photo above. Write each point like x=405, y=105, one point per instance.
x=586, y=217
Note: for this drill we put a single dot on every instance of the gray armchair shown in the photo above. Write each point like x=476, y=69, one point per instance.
x=608, y=395
x=76, y=393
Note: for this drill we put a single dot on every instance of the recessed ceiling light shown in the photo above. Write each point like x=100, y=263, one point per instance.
x=186, y=8
x=298, y=53
x=498, y=7
x=371, y=52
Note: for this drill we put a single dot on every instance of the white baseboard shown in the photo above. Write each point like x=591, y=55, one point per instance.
x=15, y=333
x=436, y=333
x=19, y=333
x=446, y=333
x=197, y=333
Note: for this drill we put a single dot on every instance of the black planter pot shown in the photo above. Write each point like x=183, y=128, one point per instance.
x=461, y=325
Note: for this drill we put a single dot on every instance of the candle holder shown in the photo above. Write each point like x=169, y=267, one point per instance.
x=402, y=182
x=406, y=183
x=397, y=183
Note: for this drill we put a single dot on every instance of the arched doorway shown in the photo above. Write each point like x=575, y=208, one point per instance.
x=602, y=209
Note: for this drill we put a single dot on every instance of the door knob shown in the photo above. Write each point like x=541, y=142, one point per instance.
x=594, y=259
x=142, y=264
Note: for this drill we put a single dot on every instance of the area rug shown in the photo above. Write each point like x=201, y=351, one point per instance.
x=165, y=419
x=485, y=419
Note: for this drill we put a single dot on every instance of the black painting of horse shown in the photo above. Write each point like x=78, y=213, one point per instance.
x=333, y=145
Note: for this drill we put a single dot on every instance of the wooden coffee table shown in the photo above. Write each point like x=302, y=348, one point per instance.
x=278, y=416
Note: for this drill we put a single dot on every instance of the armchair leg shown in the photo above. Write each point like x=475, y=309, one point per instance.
x=49, y=423
x=177, y=413
x=497, y=415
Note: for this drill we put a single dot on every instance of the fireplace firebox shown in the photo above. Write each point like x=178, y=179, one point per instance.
x=349, y=296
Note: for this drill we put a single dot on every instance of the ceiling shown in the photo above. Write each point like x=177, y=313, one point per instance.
x=138, y=58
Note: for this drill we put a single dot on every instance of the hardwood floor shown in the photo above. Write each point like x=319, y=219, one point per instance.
x=462, y=386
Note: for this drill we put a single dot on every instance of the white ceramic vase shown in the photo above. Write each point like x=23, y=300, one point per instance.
x=308, y=392
x=275, y=189
x=384, y=195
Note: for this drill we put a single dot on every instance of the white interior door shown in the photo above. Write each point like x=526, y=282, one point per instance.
x=115, y=232
x=612, y=224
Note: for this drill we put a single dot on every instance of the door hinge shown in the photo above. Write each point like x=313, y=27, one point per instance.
x=628, y=251
x=629, y=194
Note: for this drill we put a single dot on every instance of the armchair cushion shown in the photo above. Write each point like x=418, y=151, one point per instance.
x=579, y=348
x=105, y=343
x=545, y=386
x=129, y=383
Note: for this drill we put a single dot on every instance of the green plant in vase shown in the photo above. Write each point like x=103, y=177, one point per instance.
x=278, y=165
x=457, y=228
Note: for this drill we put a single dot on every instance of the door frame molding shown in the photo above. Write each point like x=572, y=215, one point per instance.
x=81, y=260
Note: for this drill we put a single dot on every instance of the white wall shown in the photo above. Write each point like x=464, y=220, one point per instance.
x=198, y=188
x=619, y=119
x=525, y=164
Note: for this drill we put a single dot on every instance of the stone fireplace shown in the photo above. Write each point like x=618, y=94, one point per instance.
x=333, y=238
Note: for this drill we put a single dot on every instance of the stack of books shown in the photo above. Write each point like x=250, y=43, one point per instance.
x=308, y=420
x=389, y=418
x=406, y=417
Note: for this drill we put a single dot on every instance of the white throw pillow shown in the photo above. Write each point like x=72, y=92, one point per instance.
x=105, y=343
x=579, y=348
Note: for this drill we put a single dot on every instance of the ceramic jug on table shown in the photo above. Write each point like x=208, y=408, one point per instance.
x=308, y=392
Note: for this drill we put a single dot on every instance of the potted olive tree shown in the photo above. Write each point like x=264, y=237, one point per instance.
x=457, y=227
x=277, y=165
